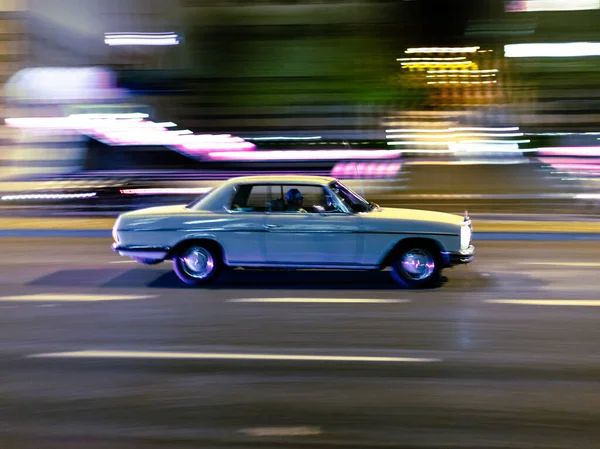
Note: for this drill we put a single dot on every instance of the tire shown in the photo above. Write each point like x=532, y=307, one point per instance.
x=417, y=267
x=197, y=264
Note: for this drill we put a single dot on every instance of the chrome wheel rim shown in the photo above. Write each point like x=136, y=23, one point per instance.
x=417, y=264
x=197, y=262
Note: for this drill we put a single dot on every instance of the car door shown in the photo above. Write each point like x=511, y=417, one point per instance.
x=243, y=234
x=311, y=239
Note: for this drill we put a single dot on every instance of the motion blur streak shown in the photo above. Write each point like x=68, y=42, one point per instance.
x=141, y=39
x=166, y=191
x=286, y=155
x=442, y=50
x=228, y=356
x=562, y=50
x=548, y=302
x=73, y=298
x=424, y=130
x=132, y=129
x=551, y=5
x=48, y=196
x=569, y=151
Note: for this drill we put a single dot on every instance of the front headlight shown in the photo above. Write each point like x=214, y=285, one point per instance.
x=465, y=236
x=115, y=235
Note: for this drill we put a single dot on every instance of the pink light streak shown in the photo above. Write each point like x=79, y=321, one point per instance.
x=130, y=129
x=167, y=191
x=569, y=151
x=307, y=155
x=573, y=164
x=367, y=170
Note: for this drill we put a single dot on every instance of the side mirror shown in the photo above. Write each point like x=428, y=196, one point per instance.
x=320, y=209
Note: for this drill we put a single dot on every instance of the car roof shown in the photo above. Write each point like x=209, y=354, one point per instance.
x=288, y=179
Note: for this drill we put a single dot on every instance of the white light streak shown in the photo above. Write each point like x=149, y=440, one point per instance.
x=43, y=297
x=511, y=128
x=461, y=76
x=130, y=115
x=462, y=82
x=548, y=302
x=451, y=136
x=459, y=58
x=226, y=356
x=283, y=138
x=320, y=300
x=560, y=50
x=141, y=39
x=418, y=143
x=463, y=71
x=551, y=5
x=442, y=50
x=48, y=196
x=435, y=63
x=141, y=42
x=496, y=142
x=167, y=191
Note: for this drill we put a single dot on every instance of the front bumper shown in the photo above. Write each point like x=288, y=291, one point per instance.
x=461, y=257
x=142, y=252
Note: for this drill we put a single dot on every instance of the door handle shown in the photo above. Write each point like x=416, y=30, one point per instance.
x=272, y=226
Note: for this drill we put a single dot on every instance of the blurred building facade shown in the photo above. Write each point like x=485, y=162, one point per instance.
x=250, y=67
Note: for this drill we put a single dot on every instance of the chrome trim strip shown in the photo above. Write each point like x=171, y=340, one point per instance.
x=304, y=231
x=303, y=266
x=144, y=252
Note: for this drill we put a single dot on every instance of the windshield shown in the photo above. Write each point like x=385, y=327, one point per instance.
x=354, y=201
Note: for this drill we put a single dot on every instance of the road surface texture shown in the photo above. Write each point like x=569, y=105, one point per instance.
x=101, y=353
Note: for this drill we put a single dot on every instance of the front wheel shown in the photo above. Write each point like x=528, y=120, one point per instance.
x=197, y=264
x=416, y=268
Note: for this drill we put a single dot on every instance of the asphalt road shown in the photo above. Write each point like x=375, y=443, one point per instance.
x=100, y=353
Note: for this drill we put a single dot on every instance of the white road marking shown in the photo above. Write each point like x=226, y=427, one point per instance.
x=281, y=431
x=123, y=261
x=321, y=300
x=73, y=298
x=103, y=354
x=564, y=264
x=548, y=302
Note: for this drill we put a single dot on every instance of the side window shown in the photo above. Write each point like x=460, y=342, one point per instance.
x=251, y=198
x=300, y=198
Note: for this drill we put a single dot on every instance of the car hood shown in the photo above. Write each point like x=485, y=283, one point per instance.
x=418, y=215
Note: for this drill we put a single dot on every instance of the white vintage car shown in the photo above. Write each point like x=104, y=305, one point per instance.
x=294, y=222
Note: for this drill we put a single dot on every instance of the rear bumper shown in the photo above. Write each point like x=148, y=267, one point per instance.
x=142, y=252
x=458, y=258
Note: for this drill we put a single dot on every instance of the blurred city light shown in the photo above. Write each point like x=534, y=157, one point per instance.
x=546, y=50
x=458, y=58
x=442, y=50
x=286, y=138
x=48, y=196
x=306, y=155
x=131, y=129
x=348, y=170
x=569, y=151
x=551, y=5
x=167, y=191
x=141, y=39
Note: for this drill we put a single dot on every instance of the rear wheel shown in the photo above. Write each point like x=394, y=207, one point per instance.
x=416, y=267
x=197, y=264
